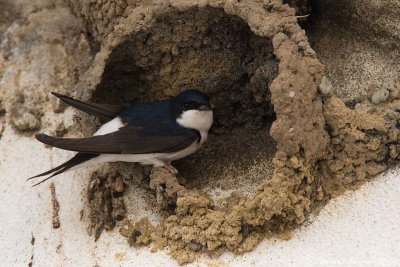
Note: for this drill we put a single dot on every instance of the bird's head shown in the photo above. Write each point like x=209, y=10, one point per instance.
x=192, y=110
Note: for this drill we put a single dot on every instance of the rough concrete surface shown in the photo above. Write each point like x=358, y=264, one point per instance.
x=293, y=128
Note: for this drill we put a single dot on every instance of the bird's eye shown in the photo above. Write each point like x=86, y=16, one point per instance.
x=186, y=106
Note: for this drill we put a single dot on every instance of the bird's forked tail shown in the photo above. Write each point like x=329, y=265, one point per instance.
x=76, y=160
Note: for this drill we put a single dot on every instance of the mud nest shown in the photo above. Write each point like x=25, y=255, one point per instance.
x=255, y=63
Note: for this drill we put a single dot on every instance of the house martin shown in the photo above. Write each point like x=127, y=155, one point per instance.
x=153, y=133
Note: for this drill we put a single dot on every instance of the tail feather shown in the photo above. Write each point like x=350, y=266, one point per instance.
x=76, y=160
x=51, y=171
x=105, y=111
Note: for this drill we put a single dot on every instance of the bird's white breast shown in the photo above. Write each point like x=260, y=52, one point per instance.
x=145, y=159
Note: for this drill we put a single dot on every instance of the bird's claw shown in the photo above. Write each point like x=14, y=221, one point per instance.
x=171, y=169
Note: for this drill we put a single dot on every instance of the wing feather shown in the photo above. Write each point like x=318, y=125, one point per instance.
x=100, y=110
x=127, y=140
x=101, y=144
x=172, y=141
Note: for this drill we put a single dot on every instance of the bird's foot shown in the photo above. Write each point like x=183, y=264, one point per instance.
x=171, y=168
x=166, y=186
x=167, y=165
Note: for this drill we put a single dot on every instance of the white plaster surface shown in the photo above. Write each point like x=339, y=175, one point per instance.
x=360, y=228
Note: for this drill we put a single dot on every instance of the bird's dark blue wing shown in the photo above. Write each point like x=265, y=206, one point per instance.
x=144, y=113
x=153, y=135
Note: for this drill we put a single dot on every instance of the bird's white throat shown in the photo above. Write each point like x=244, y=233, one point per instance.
x=200, y=120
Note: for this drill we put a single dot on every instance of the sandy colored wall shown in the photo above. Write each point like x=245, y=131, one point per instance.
x=294, y=126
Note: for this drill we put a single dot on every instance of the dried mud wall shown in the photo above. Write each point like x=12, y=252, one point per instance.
x=289, y=132
x=358, y=43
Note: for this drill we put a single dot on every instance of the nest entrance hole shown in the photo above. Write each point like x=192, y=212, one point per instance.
x=208, y=50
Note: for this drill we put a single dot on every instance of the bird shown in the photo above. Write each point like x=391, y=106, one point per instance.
x=151, y=133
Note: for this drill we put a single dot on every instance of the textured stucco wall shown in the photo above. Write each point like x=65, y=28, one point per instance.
x=265, y=59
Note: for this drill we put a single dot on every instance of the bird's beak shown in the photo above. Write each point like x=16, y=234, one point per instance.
x=205, y=107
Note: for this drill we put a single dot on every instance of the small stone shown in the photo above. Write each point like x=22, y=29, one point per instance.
x=26, y=122
x=394, y=94
x=166, y=70
x=174, y=50
x=119, y=10
x=390, y=86
x=380, y=96
x=1, y=128
x=393, y=91
x=278, y=40
x=325, y=86
x=119, y=184
x=194, y=246
x=335, y=165
x=336, y=140
x=320, y=193
x=309, y=52
x=287, y=235
x=393, y=151
x=295, y=162
x=111, y=11
x=119, y=210
x=60, y=129
x=133, y=236
x=374, y=168
x=373, y=144
x=303, y=45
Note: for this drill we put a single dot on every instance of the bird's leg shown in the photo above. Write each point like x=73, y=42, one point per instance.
x=167, y=165
x=171, y=168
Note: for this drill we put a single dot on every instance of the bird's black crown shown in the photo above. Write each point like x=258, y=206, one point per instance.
x=190, y=100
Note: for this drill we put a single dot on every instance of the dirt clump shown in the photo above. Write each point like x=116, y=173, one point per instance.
x=139, y=234
x=364, y=142
x=166, y=186
x=104, y=202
